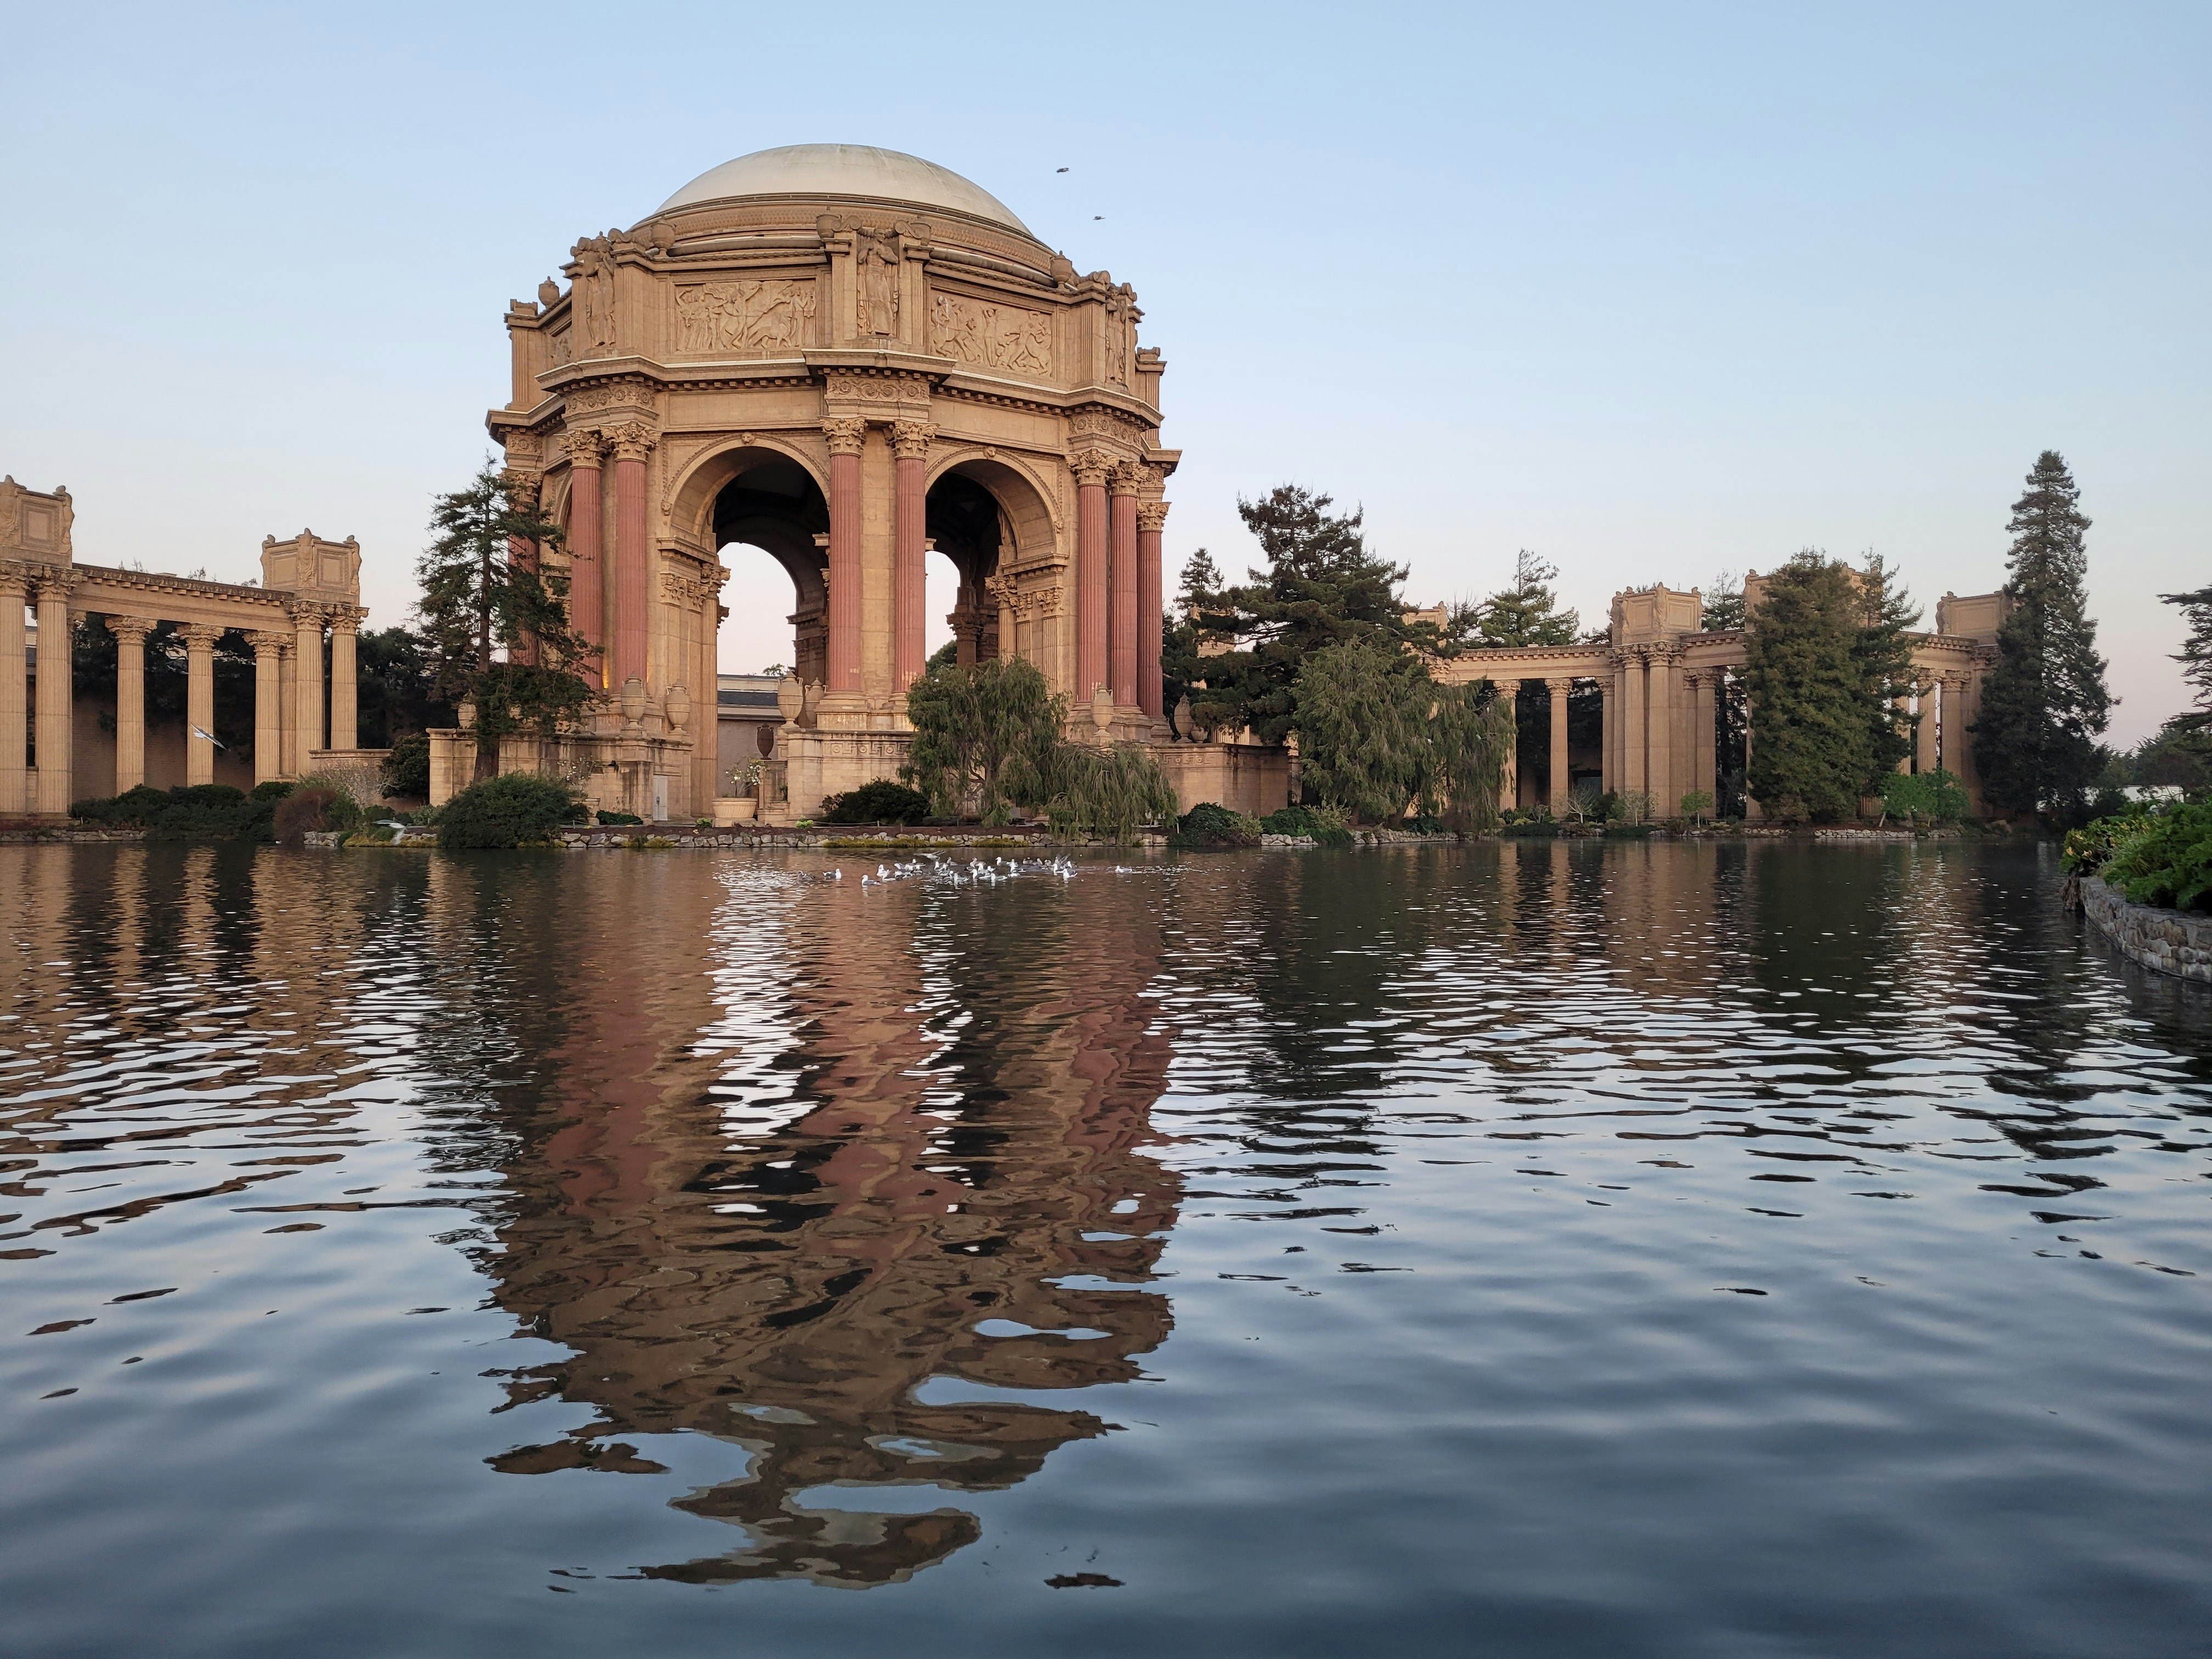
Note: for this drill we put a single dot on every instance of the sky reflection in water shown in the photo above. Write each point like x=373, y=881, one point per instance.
x=1532, y=1249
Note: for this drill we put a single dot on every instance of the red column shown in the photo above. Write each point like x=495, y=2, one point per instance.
x=633, y=585
x=845, y=437
x=1151, y=518
x=1121, y=651
x=909, y=589
x=1090, y=554
x=521, y=490
x=586, y=589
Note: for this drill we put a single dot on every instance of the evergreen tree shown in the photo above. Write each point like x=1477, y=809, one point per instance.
x=1321, y=587
x=478, y=606
x=1884, y=650
x=1182, y=670
x=1527, y=610
x=1724, y=604
x=2044, y=704
x=2196, y=659
x=1812, y=752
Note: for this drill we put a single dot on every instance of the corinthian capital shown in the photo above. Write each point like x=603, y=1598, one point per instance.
x=1092, y=468
x=199, y=636
x=267, y=645
x=632, y=440
x=131, y=630
x=910, y=439
x=521, y=487
x=845, y=434
x=1153, y=516
x=585, y=447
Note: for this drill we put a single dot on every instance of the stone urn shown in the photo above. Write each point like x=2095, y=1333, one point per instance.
x=466, y=712
x=633, y=700
x=676, y=705
x=790, y=698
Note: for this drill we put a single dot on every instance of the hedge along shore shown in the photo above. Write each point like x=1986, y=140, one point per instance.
x=2171, y=942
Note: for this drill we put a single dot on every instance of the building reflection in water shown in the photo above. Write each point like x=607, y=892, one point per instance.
x=807, y=1149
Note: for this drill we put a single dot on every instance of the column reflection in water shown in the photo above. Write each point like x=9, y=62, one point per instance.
x=802, y=1149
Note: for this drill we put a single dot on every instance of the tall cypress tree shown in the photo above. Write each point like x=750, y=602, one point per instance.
x=2196, y=659
x=1884, y=651
x=2044, y=704
x=1813, y=749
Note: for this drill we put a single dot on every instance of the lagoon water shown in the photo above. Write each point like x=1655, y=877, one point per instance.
x=1523, y=1249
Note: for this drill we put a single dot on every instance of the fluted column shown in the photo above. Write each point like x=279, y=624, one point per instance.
x=1923, y=737
x=1121, y=584
x=633, y=559
x=1608, y=695
x=1555, y=785
x=1635, y=717
x=1151, y=519
x=1698, y=731
x=1751, y=807
x=268, y=706
x=1666, y=774
x=15, y=695
x=1508, y=785
x=588, y=591
x=846, y=437
x=522, y=489
x=307, y=684
x=199, y=701
x=130, y=633
x=1954, y=695
x=345, y=703
x=51, y=788
x=1090, y=575
x=910, y=552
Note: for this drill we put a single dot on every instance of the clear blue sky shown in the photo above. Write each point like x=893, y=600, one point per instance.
x=1656, y=291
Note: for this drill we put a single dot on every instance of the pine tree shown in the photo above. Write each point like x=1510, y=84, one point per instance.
x=1527, y=610
x=2196, y=659
x=1884, y=652
x=478, y=605
x=1724, y=604
x=1812, y=750
x=1321, y=587
x=2044, y=704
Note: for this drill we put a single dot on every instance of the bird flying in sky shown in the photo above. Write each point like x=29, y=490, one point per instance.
x=210, y=736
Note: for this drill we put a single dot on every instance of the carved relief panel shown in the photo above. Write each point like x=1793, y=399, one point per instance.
x=763, y=314
x=986, y=335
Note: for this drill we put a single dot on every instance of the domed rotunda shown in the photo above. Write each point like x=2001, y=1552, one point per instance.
x=849, y=357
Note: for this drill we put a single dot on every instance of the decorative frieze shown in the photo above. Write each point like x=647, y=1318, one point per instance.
x=982, y=334
x=767, y=314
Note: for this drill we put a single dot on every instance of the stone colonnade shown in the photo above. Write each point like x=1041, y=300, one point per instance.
x=306, y=607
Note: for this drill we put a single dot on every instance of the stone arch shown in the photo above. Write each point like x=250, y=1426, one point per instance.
x=1030, y=540
x=766, y=497
x=696, y=481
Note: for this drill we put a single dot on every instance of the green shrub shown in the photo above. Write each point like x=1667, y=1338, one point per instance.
x=407, y=768
x=1211, y=826
x=204, y=811
x=1628, y=831
x=1427, y=823
x=1290, y=821
x=1936, y=797
x=2088, y=848
x=314, y=803
x=619, y=818
x=1529, y=827
x=274, y=789
x=2166, y=859
x=879, y=802
x=512, y=811
x=133, y=806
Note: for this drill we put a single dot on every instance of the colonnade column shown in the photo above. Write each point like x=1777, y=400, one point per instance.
x=1555, y=785
x=1608, y=706
x=1751, y=807
x=632, y=560
x=521, y=490
x=1508, y=785
x=1091, y=583
x=1688, y=772
x=345, y=704
x=1666, y=772
x=1970, y=775
x=1123, y=585
x=199, y=701
x=1635, y=717
x=51, y=789
x=587, y=593
x=1952, y=694
x=909, y=552
x=268, y=706
x=15, y=695
x=307, y=683
x=130, y=633
x=846, y=436
x=1151, y=518
x=1923, y=737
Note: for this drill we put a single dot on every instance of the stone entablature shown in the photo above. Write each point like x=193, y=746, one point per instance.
x=1659, y=676
x=850, y=381
x=2165, y=941
x=309, y=604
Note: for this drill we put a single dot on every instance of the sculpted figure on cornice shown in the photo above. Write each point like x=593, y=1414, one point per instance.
x=592, y=324
x=763, y=314
x=986, y=336
x=877, y=254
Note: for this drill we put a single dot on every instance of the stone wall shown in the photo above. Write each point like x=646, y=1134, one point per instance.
x=2165, y=941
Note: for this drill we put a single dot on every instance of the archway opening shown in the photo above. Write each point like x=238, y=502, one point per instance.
x=766, y=521
x=967, y=531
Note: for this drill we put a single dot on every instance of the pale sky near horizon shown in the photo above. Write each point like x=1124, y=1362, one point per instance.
x=1656, y=292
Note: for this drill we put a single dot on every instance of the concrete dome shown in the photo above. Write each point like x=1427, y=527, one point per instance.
x=819, y=172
